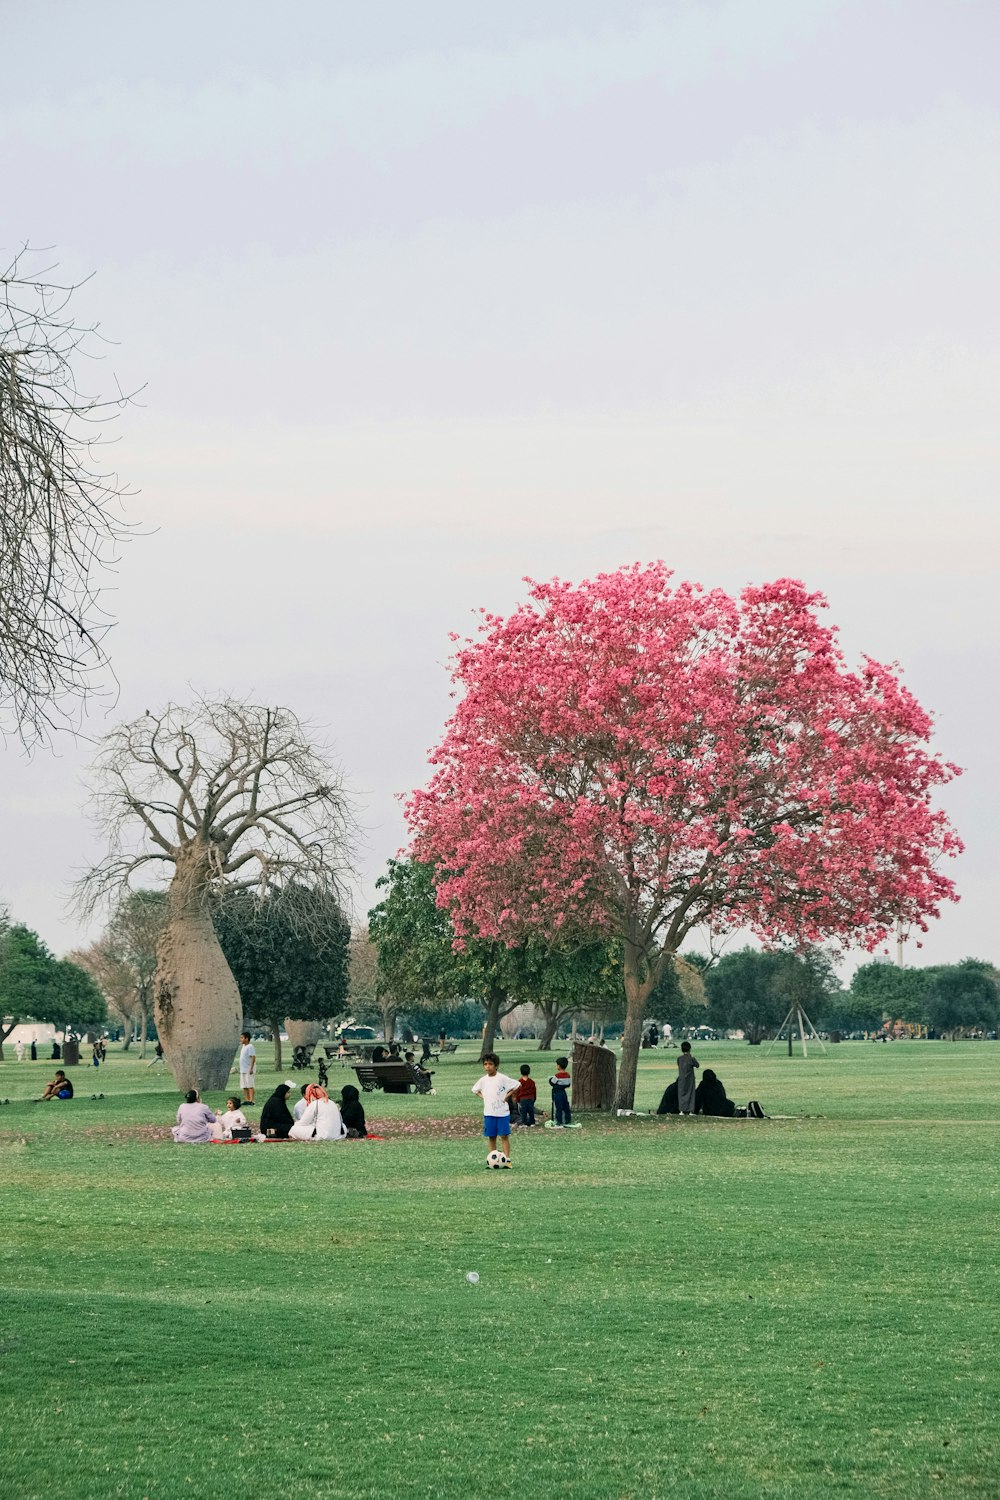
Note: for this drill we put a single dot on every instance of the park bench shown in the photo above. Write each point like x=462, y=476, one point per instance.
x=392, y=1078
x=437, y=1050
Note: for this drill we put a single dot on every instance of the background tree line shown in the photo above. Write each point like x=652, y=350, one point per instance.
x=752, y=991
x=35, y=986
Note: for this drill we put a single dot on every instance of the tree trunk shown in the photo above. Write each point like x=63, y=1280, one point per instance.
x=593, y=1077
x=197, y=1004
x=5, y=1032
x=276, y=1039
x=637, y=992
x=388, y=1009
x=548, y=1033
x=494, y=1005
x=143, y=1029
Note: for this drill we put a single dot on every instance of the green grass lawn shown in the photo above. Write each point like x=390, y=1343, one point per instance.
x=692, y=1308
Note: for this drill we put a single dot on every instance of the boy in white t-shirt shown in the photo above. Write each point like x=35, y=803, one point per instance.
x=248, y=1067
x=496, y=1090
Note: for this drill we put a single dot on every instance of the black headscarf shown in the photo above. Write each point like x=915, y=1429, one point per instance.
x=710, y=1096
x=669, y=1104
x=351, y=1110
x=275, y=1115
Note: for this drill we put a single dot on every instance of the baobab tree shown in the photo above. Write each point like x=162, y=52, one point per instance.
x=61, y=508
x=226, y=795
x=643, y=760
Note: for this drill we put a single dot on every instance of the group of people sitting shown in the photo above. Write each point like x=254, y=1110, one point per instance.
x=710, y=1098
x=316, y=1117
x=392, y=1054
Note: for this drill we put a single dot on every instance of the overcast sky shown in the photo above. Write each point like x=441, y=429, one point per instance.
x=429, y=296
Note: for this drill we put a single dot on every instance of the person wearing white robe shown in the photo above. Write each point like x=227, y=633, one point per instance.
x=321, y=1120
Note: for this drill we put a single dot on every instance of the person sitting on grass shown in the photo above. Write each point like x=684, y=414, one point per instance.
x=59, y=1088
x=496, y=1091
x=321, y=1119
x=194, y=1121
x=710, y=1097
x=275, y=1118
x=352, y=1112
x=668, y=1105
x=231, y=1119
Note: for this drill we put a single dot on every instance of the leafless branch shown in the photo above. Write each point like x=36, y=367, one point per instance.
x=61, y=509
x=258, y=807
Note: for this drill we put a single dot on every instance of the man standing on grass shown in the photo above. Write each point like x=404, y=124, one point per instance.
x=686, y=1065
x=248, y=1067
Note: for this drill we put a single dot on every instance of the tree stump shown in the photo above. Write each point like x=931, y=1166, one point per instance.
x=594, y=1071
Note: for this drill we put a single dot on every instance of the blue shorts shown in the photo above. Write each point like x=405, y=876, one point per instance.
x=496, y=1125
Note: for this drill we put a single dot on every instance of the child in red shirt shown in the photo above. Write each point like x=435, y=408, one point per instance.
x=526, y=1096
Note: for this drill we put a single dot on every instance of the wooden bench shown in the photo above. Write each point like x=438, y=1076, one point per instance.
x=392, y=1078
x=436, y=1049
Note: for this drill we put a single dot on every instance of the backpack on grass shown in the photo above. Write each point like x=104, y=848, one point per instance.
x=754, y=1111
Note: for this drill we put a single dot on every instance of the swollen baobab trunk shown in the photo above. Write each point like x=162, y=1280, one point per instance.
x=198, y=1008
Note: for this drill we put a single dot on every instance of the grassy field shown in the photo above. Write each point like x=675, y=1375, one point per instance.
x=693, y=1308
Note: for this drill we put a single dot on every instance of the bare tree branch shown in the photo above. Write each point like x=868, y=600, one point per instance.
x=61, y=509
x=252, y=790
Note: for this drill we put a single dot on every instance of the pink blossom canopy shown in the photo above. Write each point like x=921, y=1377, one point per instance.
x=641, y=758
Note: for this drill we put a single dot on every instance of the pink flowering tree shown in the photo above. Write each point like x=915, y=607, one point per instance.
x=641, y=759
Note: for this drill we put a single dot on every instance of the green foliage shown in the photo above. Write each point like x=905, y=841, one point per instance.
x=461, y=1019
x=35, y=986
x=950, y=998
x=419, y=964
x=76, y=1002
x=847, y=1011
x=962, y=998
x=669, y=1003
x=752, y=992
x=134, y=932
x=882, y=990
x=288, y=953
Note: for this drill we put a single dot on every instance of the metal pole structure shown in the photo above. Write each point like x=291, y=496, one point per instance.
x=796, y=1012
x=786, y=1022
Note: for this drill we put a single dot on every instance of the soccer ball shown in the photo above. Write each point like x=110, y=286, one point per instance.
x=496, y=1159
